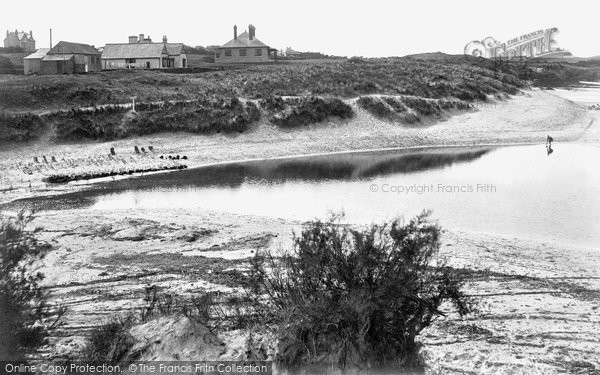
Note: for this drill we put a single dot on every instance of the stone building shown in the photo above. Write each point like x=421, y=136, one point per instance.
x=20, y=39
x=244, y=48
x=141, y=53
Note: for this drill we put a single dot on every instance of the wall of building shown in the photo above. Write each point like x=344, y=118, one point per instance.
x=236, y=57
x=88, y=63
x=57, y=67
x=179, y=61
x=31, y=66
x=155, y=63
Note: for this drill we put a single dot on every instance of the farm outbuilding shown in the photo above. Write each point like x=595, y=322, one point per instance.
x=32, y=63
x=63, y=58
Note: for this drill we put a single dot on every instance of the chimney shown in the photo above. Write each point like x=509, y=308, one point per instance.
x=251, y=31
x=50, y=38
x=141, y=38
x=234, y=31
x=164, y=39
x=133, y=39
x=30, y=34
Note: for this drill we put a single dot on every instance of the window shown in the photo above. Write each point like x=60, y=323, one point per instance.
x=218, y=55
x=258, y=52
x=228, y=53
x=130, y=61
x=243, y=52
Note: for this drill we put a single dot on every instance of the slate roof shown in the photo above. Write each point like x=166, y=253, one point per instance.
x=73, y=48
x=134, y=50
x=243, y=40
x=175, y=48
x=41, y=52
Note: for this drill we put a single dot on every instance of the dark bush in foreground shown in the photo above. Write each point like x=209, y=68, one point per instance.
x=110, y=343
x=23, y=309
x=358, y=298
x=311, y=110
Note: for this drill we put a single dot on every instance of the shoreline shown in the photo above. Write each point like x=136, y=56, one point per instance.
x=519, y=120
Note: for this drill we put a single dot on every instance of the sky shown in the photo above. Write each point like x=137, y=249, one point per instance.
x=347, y=28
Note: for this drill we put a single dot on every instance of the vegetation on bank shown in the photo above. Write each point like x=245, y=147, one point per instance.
x=204, y=115
x=20, y=127
x=300, y=111
x=409, y=109
x=25, y=316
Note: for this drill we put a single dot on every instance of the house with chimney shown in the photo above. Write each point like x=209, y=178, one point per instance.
x=63, y=58
x=20, y=39
x=141, y=53
x=244, y=48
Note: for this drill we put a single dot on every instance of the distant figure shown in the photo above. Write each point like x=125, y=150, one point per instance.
x=136, y=149
x=45, y=160
x=549, y=150
x=143, y=150
x=112, y=151
x=177, y=157
x=162, y=157
x=53, y=159
x=151, y=148
x=184, y=157
x=35, y=159
x=549, y=140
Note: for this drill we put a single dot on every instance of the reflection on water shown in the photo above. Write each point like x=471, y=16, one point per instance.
x=517, y=191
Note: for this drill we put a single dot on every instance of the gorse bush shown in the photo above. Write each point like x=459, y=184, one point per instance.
x=24, y=312
x=358, y=298
x=310, y=110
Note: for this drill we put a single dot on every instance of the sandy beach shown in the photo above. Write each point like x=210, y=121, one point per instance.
x=102, y=261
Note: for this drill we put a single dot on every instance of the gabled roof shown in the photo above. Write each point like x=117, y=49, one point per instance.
x=73, y=48
x=134, y=50
x=243, y=40
x=41, y=52
x=175, y=48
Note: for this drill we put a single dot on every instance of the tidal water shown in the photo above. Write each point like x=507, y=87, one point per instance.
x=518, y=191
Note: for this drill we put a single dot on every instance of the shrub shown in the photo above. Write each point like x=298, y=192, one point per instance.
x=311, y=110
x=376, y=106
x=23, y=308
x=358, y=298
x=110, y=343
x=19, y=127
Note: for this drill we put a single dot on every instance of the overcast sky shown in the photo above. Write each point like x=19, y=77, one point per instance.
x=348, y=28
